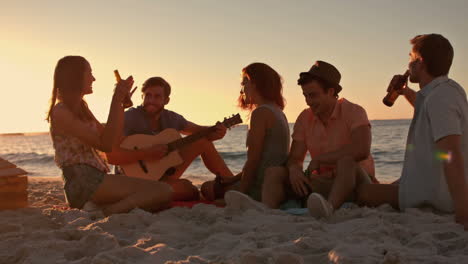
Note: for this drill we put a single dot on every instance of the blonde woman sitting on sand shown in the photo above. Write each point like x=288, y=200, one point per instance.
x=79, y=139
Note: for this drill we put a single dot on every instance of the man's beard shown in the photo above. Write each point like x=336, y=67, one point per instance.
x=155, y=113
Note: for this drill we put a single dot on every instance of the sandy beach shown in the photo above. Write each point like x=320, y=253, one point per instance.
x=46, y=233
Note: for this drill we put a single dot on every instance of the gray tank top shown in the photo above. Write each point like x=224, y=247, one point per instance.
x=275, y=148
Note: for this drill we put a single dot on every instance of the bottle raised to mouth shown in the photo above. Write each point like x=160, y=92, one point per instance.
x=393, y=88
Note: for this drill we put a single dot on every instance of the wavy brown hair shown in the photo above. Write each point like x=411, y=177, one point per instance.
x=157, y=81
x=268, y=83
x=68, y=87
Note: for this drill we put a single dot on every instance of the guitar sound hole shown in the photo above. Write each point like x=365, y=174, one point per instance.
x=170, y=171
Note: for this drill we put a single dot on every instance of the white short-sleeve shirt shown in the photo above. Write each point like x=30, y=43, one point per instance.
x=441, y=109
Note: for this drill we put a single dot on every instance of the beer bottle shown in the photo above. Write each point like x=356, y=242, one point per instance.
x=127, y=102
x=393, y=88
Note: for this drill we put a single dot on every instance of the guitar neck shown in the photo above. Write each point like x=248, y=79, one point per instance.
x=190, y=139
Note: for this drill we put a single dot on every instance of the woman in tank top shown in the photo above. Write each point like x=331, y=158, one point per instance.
x=268, y=135
x=79, y=140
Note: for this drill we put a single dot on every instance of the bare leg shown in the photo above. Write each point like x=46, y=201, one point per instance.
x=348, y=175
x=274, y=185
x=211, y=191
x=184, y=190
x=121, y=194
x=213, y=161
x=207, y=190
x=377, y=194
x=209, y=154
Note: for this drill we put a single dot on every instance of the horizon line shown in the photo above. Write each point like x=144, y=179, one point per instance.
x=47, y=132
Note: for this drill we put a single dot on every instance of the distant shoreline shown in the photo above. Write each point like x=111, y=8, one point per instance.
x=23, y=134
x=47, y=132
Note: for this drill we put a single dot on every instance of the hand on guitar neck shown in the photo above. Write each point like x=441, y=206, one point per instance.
x=219, y=133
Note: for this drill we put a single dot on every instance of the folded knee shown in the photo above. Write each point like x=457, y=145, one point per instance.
x=185, y=183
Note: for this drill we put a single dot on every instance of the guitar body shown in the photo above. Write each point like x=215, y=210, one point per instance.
x=156, y=168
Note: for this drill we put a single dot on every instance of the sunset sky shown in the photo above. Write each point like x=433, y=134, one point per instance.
x=200, y=47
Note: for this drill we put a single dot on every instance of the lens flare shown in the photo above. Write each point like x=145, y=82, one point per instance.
x=443, y=156
x=410, y=147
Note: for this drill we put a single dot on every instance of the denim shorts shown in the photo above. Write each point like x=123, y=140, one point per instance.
x=80, y=183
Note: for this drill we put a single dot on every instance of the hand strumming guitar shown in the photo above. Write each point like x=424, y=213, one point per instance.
x=158, y=151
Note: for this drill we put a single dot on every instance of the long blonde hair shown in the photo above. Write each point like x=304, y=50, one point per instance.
x=68, y=86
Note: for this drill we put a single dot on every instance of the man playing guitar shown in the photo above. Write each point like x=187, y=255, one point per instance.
x=151, y=118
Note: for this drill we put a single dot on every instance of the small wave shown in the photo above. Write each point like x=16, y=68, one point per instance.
x=28, y=158
x=36, y=158
x=233, y=155
x=386, y=154
x=389, y=162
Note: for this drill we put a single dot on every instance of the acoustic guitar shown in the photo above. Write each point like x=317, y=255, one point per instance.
x=156, y=169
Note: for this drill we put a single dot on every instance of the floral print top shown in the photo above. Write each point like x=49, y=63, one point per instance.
x=70, y=150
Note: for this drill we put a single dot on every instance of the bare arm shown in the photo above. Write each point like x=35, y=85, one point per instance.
x=359, y=148
x=409, y=94
x=65, y=122
x=114, y=125
x=256, y=137
x=295, y=169
x=297, y=155
x=455, y=176
x=191, y=128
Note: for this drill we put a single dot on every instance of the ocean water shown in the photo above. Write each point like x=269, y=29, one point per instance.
x=35, y=153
